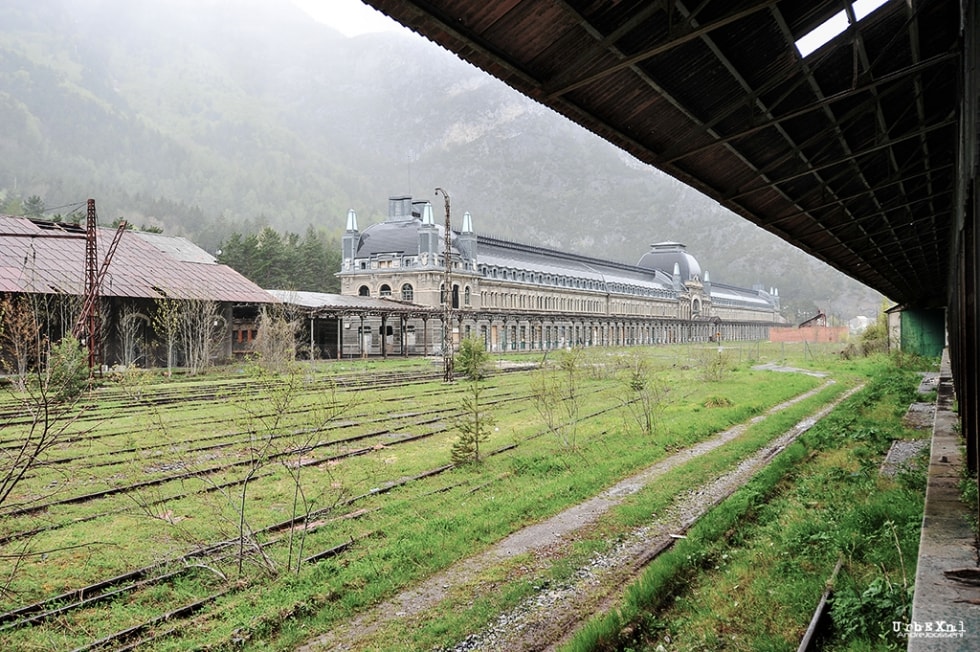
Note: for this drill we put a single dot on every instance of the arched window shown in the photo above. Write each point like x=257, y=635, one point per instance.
x=364, y=291
x=408, y=293
x=385, y=290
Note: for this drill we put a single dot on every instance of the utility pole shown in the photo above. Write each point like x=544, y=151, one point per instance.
x=91, y=300
x=87, y=326
x=447, y=301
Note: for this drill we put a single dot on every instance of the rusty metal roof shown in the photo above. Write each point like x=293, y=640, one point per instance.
x=848, y=153
x=49, y=258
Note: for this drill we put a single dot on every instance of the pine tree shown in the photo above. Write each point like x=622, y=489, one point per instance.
x=474, y=427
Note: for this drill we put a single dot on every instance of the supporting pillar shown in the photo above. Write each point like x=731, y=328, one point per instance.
x=340, y=337
x=402, y=327
x=360, y=338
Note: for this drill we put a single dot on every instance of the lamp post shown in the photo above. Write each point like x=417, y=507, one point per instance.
x=447, y=306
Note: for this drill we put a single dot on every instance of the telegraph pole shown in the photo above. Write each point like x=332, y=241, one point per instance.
x=91, y=302
x=447, y=302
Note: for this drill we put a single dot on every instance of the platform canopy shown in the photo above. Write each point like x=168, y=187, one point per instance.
x=844, y=147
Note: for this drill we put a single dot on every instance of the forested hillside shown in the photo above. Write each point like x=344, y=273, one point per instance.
x=220, y=117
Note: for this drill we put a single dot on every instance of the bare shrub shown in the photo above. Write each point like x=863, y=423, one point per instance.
x=21, y=342
x=130, y=328
x=555, y=389
x=201, y=330
x=275, y=343
x=166, y=324
x=646, y=393
x=48, y=399
x=713, y=366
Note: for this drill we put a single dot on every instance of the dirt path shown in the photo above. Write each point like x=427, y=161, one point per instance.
x=554, y=612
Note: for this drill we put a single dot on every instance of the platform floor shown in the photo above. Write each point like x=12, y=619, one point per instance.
x=946, y=604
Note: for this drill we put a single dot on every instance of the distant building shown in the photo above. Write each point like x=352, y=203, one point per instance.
x=519, y=297
x=859, y=324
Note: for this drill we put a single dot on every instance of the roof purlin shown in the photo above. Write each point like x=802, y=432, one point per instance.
x=780, y=174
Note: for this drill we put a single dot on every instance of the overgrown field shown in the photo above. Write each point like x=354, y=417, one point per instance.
x=245, y=508
x=750, y=574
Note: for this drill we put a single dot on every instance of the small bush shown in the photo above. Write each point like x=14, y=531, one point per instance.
x=717, y=402
x=67, y=369
x=275, y=345
x=869, y=614
x=714, y=366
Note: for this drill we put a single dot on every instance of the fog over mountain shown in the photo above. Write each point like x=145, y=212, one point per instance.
x=210, y=117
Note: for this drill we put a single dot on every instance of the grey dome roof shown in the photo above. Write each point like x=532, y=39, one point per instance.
x=663, y=256
x=394, y=237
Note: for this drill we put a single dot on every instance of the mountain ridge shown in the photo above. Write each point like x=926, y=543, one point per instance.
x=206, y=119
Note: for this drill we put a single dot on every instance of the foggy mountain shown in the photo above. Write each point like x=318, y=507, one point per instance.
x=209, y=117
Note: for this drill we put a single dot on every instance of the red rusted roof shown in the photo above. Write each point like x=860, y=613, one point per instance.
x=49, y=258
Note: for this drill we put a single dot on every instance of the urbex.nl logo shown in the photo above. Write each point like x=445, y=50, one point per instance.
x=929, y=629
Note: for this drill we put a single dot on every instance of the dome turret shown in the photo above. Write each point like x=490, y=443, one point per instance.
x=666, y=255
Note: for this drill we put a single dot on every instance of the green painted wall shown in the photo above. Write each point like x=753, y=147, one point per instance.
x=924, y=332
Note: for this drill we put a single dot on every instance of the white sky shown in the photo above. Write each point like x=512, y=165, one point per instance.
x=350, y=17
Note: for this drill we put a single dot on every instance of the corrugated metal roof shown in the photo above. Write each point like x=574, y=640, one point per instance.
x=557, y=263
x=41, y=258
x=326, y=302
x=848, y=153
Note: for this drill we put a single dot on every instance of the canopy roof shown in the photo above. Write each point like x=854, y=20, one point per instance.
x=847, y=152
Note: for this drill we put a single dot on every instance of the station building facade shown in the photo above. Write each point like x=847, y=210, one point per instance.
x=523, y=297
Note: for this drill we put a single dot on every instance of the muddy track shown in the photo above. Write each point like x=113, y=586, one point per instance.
x=554, y=613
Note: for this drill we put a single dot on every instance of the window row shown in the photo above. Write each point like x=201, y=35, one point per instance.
x=407, y=291
x=572, y=282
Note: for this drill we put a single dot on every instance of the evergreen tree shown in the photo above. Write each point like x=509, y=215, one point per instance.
x=285, y=262
x=473, y=360
x=474, y=426
x=312, y=260
x=34, y=206
x=272, y=263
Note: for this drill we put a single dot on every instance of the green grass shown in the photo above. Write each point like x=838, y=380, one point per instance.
x=403, y=536
x=774, y=543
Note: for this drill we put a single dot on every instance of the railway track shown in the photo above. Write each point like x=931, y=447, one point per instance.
x=543, y=621
x=125, y=587
x=125, y=584
x=107, y=430
x=433, y=420
x=115, y=399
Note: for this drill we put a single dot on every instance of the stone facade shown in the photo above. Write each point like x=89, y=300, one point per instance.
x=517, y=296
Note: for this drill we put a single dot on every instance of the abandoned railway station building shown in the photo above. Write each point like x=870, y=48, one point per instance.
x=524, y=297
x=154, y=294
x=152, y=290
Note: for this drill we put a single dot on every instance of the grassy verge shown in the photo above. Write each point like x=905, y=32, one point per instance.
x=751, y=572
